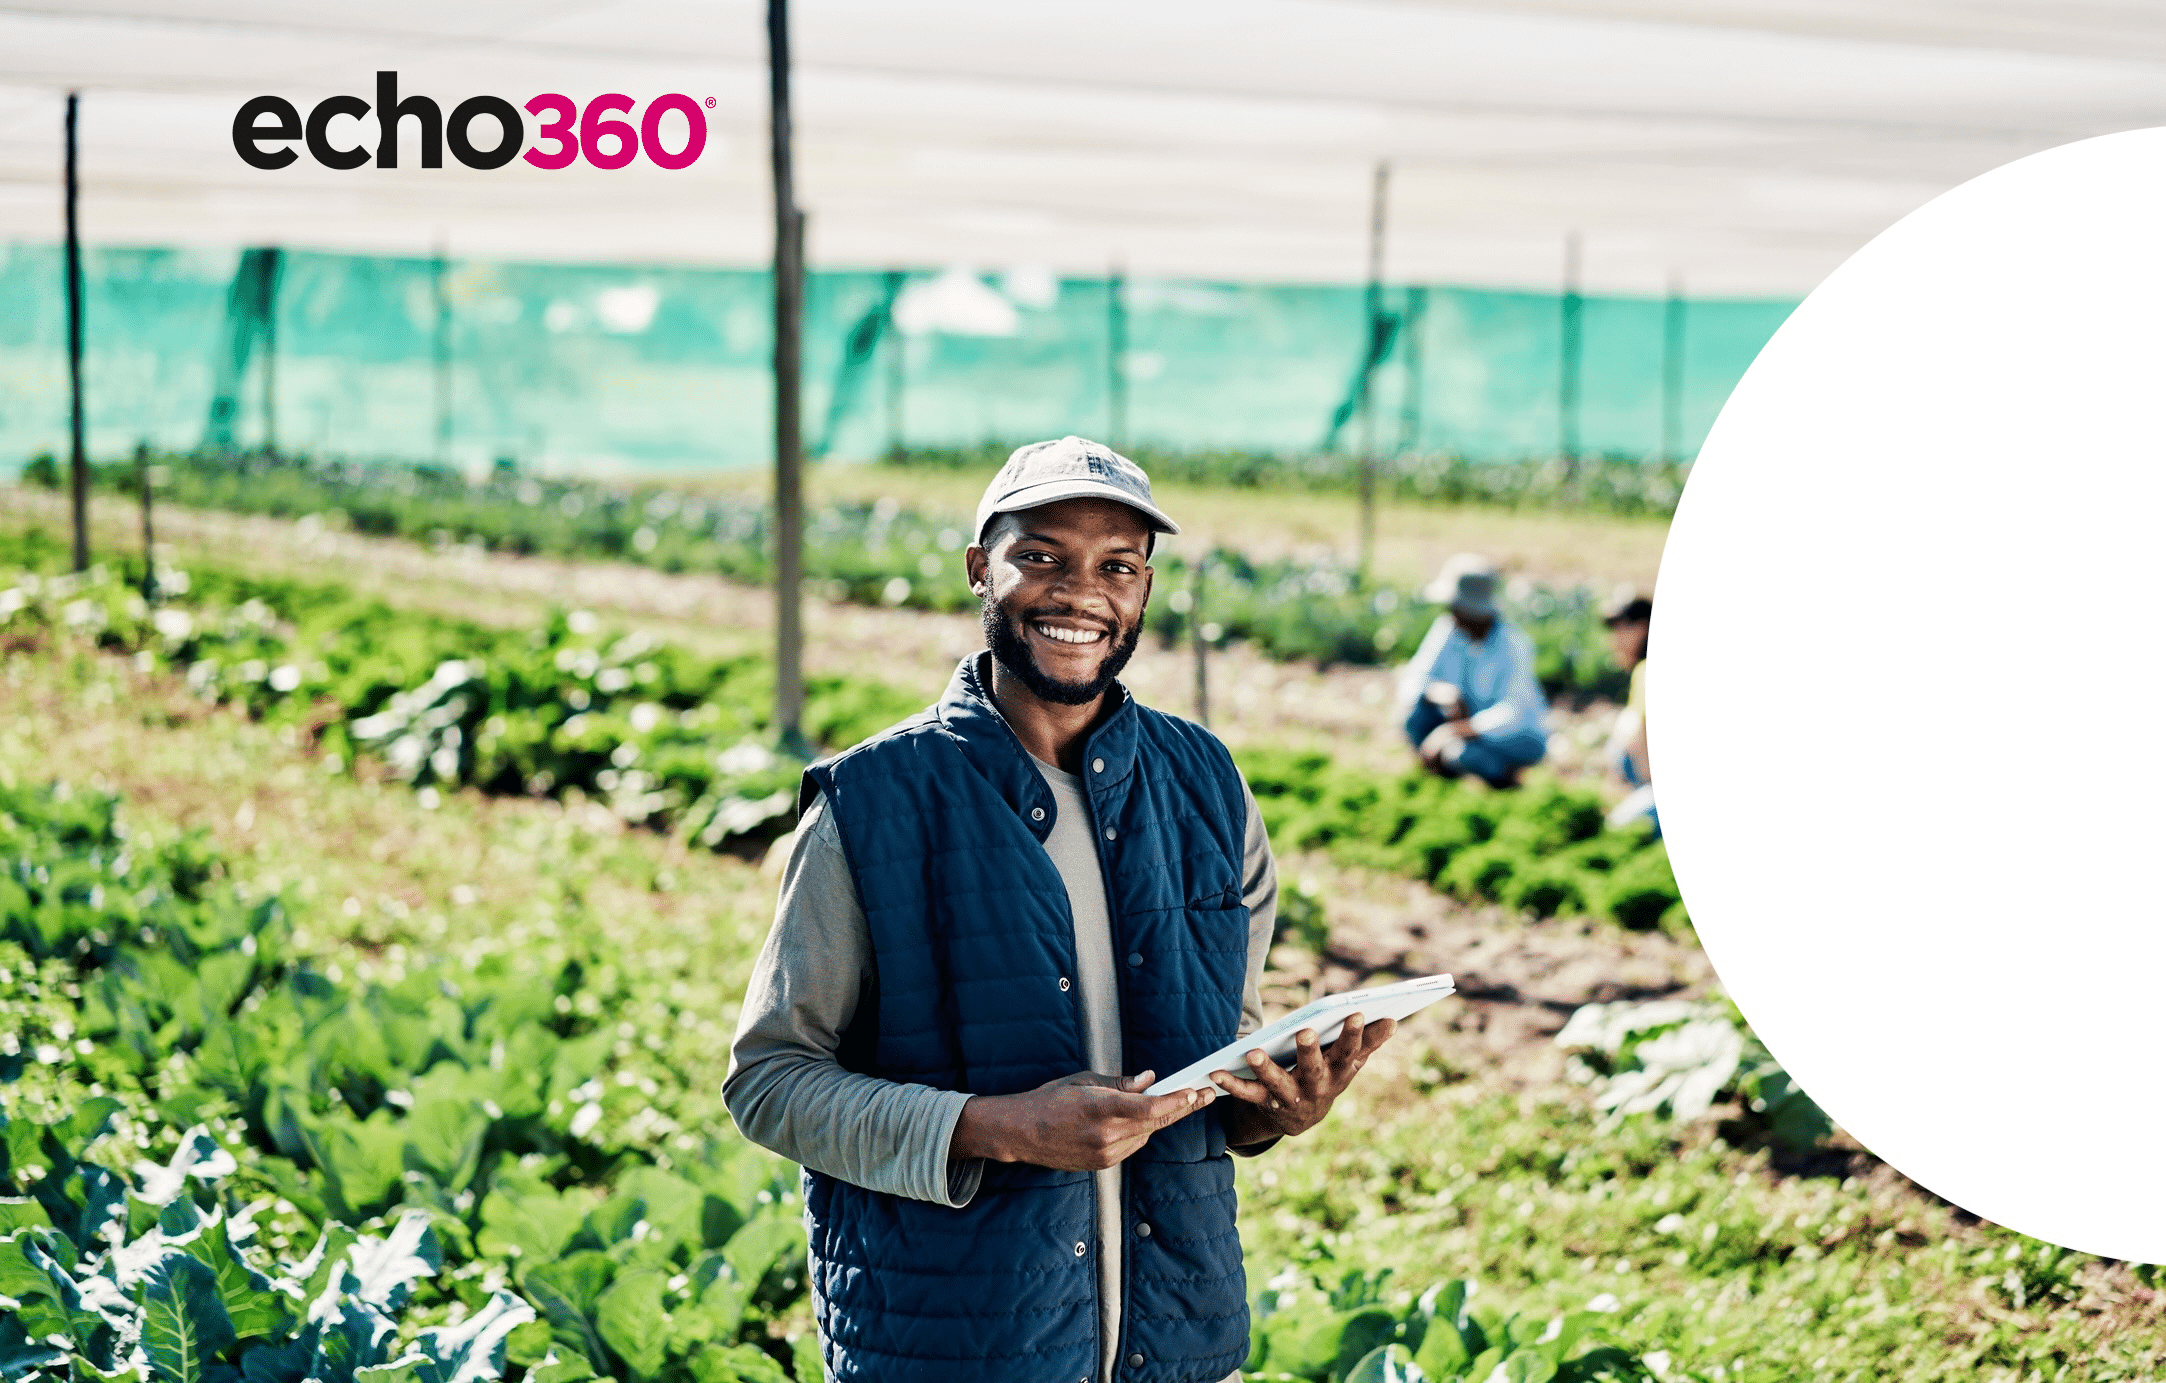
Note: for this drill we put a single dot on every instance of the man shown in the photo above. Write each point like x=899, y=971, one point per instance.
x=1628, y=623
x=1468, y=695
x=1000, y=921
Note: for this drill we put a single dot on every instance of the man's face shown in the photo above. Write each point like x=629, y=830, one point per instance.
x=1062, y=589
x=1475, y=627
x=1628, y=644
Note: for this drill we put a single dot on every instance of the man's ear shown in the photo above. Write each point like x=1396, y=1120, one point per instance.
x=974, y=563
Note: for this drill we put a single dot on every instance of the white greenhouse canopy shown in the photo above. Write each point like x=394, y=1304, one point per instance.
x=1745, y=145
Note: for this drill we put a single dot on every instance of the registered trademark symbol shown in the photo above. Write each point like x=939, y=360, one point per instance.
x=710, y=103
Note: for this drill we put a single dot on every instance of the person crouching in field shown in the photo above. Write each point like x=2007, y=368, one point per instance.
x=1468, y=695
x=1000, y=920
x=1626, y=752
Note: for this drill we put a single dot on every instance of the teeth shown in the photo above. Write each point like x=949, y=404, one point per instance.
x=1070, y=635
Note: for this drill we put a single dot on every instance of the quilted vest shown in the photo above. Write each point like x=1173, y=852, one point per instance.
x=943, y=819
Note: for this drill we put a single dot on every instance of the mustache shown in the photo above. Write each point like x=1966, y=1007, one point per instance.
x=1111, y=627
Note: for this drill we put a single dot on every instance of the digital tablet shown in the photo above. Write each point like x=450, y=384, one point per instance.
x=1327, y=1015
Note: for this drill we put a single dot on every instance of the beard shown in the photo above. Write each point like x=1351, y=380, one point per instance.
x=1012, y=652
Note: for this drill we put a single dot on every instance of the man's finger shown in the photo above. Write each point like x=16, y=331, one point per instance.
x=1248, y=1091
x=1277, y=1084
x=1309, y=1062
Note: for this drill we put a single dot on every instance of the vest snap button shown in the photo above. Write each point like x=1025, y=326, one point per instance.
x=1037, y=813
x=1135, y=958
x=1135, y=1361
x=1110, y=833
x=1064, y=984
x=1079, y=1249
x=1098, y=765
x=1144, y=1230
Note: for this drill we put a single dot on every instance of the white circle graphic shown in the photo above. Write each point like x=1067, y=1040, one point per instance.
x=1904, y=695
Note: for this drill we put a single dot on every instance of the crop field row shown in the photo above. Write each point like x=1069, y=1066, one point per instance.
x=876, y=552
x=290, y=965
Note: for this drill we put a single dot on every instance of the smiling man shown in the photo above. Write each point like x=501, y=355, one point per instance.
x=1000, y=921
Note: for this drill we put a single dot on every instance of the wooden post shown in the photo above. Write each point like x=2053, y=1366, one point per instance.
x=1116, y=358
x=896, y=447
x=78, y=463
x=1375, y=301
x=1673, y=373
x=789, y=443
x=1568, y=361
x=150, y=547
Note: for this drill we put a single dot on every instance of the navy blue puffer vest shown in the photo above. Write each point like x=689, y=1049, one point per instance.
x=943, y=819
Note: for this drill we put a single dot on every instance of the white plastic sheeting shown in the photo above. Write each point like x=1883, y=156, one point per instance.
x=1749, y=145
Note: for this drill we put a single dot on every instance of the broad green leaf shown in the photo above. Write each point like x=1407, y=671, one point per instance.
x=20, y=1212
x=382, y=1271
x=613, y=1221
x=1529, y=1366
x=184, y=1322
x=566, y=1291
x=529, y=1343
x=199, y=1156
x=354, y=1336
x=630, y=1320
x=251, y=1303
x=277, y=1363
x=553, y=1369
x=774, y=1238
x=533, y=1224
x=444, y=1138
x=739, y=1364
x=1443, y=1352
x=1389, y=1364
x=811, y=1367
x=1362, y=1331
x=361, y=1161
x=473, y=1350
x=404, y=1369
x=1485, y=1363
x=673, y=1205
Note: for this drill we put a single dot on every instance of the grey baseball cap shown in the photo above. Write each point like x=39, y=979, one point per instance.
x=1071, y=468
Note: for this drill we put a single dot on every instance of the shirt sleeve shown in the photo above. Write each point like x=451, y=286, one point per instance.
x=786, y=1089
x=1260, y=893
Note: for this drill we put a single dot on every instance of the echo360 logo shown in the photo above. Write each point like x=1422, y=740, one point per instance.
x=598, y=134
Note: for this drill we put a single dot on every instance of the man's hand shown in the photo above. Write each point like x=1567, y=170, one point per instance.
x=1283, y=1102
x=1079, y=1123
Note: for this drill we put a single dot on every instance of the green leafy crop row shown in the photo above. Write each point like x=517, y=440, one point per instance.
x=877, y=553
x=1542, y=847
x=662, y=736
x=480, y=1173
x=1346, y=1333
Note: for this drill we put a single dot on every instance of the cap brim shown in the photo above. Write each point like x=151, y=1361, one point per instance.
x=1053, y=491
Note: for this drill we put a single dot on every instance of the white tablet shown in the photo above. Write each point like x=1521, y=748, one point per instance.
x=1327, y=1015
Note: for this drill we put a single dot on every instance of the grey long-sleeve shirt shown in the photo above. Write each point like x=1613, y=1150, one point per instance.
x=789, y=1094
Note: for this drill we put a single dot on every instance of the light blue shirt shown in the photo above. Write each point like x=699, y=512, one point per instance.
x=1495, y=677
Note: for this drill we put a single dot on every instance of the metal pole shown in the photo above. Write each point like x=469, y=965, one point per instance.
x=150, y=548
x=270, y=353
x=1198, y=643
x=1116, y=358
x=789, y=445
x=443, y=357
x=1568, y=361
x=1375, y=301
x=1673, y=373
x=1410, y=367
x=78, y=464
x=895, y=443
